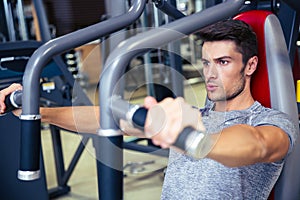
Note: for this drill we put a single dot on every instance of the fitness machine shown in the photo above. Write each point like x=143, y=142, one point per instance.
x=110, y=138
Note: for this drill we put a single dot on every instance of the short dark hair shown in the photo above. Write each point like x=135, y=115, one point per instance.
x=234, y=30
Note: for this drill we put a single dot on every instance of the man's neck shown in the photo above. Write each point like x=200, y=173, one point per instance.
x=234, y=104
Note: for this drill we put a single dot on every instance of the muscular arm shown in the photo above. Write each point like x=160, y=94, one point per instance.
x=244, y=145
x=83, y=119
x=235, y=146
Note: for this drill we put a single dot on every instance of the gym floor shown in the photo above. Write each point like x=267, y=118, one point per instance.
x=146, y=179
x=143, y=182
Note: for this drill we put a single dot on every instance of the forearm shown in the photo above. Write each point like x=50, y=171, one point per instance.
x=83, y=119
x=245, y=145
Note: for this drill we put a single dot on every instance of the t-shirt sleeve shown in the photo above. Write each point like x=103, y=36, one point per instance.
x=281, y=120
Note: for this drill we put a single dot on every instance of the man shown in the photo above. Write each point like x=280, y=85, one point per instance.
x=251, y=142
x=246, y=144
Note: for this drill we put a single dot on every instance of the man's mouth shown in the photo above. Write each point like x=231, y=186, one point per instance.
x=211, y=86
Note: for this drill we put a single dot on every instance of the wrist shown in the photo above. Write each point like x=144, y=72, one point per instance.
x=44, y=115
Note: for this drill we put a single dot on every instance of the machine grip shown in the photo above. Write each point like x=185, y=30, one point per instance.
x=189, y=140
x=183, y=137
x=139, y=118
x=13, y=101
x=30, y=139
x=29, y=168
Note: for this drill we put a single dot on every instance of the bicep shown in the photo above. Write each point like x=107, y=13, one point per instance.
x=274, y=141
x=243, y=144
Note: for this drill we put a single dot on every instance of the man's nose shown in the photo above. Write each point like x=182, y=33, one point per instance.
x=210, y=71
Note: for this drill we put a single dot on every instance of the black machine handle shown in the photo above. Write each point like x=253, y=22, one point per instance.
x=136, y=115
x=29, y=162
x=139, y=118
x=13, y=101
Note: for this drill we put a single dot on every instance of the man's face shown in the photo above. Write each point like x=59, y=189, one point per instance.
x=223, y=70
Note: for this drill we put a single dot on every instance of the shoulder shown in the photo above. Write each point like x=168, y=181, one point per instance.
x=264, y=113
x=263, y=116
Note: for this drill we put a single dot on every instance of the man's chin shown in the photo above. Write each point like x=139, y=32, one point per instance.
x=215, y=99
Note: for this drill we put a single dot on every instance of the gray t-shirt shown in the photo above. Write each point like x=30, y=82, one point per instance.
x=190, y=179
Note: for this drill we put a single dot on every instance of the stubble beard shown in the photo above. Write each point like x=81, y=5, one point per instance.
x=225, y=96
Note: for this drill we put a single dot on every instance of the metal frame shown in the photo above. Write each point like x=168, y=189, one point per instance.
x=282, y=85
x=108, y=146
x=289, y=18
x=111, y=179
x=42, y=55
x=63, y=174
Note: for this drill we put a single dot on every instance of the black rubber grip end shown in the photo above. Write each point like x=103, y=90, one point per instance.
x=139, y=118
x=181, y=140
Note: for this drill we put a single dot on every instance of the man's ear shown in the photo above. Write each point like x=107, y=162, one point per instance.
x=251, y=65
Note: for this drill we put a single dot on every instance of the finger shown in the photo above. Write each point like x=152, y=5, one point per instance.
x=174, y=124
x=16, y=86
x=164, y=128
x=5, y=92
x=165, y=138
x=11, y=88
x=17, y=112
x=149, y=102
x=161, y=144
x=178, y=115
x=155, y=120
x=2, y=104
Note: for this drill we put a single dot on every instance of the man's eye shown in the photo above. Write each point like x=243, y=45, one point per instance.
x=223, y=62
x=205, y=63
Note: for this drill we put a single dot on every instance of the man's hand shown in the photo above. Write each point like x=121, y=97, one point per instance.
x=3, y=93
x=166, y=119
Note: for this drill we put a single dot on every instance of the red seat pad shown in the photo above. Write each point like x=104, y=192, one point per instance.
x=260, y=82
